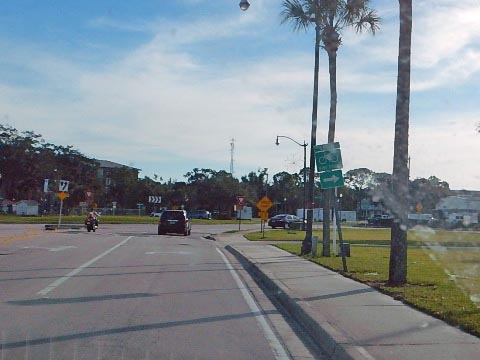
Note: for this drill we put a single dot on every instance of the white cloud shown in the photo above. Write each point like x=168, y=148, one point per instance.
x=160, y=102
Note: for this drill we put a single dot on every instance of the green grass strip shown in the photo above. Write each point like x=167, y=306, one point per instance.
x=379, y=236
x=108, y=219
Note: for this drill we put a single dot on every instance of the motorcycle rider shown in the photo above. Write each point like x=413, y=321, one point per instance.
x=91, y=216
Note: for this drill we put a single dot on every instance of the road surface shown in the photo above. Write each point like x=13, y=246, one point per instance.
x=126, y=293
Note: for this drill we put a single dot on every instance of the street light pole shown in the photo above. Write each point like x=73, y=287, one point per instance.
x=304, y=145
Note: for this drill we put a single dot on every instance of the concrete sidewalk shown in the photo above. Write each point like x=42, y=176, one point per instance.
x=348, y=319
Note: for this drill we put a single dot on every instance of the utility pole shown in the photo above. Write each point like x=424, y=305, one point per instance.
x=232, y=149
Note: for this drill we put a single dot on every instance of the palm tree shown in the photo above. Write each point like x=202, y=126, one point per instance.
x=398, y=248
x=330, y=17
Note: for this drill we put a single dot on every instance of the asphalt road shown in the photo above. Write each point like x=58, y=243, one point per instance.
x=126, y=293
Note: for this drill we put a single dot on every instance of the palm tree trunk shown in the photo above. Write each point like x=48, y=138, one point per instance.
x=327, y=204
x=398, y=251
x=307, y=242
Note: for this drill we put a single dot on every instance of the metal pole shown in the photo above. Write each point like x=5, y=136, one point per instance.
x=60, y=215
x=335, y=227
x=340, y=237
x=240, y=220
x=304, y=145
x=304, y=181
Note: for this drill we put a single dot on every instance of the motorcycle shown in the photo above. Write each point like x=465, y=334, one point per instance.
x=92, y=224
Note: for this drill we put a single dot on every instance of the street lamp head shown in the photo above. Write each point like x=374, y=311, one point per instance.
x=244, y=5
x=276, y=142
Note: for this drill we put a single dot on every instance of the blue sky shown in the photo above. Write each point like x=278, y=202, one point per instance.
x=164, y=85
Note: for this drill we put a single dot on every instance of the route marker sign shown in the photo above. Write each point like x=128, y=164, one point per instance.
x=264, y=203
x=331, y=179
x=63, y=185
x=328, y=157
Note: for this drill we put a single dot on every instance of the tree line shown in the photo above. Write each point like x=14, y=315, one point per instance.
x=26, y=159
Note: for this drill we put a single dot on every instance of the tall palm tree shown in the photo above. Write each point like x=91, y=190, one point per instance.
x=398, y=248
x=330, y=17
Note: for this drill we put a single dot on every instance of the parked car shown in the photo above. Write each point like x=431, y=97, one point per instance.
x=200, y=214
x=285, y=221
x=155, y=214
x=174, y=221
x=380, y=220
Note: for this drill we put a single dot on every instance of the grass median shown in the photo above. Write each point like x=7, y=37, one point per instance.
x=378, y=236
x=431, y=287
x=107, y=219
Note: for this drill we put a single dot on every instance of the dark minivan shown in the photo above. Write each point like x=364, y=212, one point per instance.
x=174, y=221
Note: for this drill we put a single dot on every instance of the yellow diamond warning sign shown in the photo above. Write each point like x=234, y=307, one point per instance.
x=62, y=195
x=264, y=204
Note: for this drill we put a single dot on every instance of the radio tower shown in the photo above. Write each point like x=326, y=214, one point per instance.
x=232, y=148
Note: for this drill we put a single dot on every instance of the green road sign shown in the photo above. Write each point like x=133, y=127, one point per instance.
x=331, y=179
x=328, y=157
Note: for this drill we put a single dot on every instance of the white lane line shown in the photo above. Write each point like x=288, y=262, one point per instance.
x=61, y=280
x=277, y=347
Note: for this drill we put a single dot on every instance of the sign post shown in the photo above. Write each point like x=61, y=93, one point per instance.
x=263, y=205
x=239, y=207
x=329, y=163
x=139, y=206
x=61, y=195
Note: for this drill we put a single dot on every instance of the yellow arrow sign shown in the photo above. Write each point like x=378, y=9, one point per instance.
x=62, y=195
x=264, y=204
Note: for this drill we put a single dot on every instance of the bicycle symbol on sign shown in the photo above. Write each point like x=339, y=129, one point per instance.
x=325, y=157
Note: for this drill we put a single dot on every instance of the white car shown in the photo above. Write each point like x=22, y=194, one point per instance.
x=155, y=214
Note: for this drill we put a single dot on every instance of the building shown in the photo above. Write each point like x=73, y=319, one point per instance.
x=6, y=206
x=106, y=169
x=318, y=215
x=26, y=208
x=368, y=208
x=463, y=206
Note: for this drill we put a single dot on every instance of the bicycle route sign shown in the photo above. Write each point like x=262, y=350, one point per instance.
x=328, y=157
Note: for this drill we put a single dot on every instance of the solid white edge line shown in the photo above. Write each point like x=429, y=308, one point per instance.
x=61, y=280
x=275, y=344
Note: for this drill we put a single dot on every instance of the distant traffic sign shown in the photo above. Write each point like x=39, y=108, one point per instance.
x=155, y=199
x=241, y=200
x=62, y=195
x=263, y=215
x=63, y=185
x=328, y=157
x=331, y=179
x=264, y=204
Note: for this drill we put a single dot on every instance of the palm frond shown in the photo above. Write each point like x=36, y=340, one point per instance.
x=296, y=12
x=368, y=20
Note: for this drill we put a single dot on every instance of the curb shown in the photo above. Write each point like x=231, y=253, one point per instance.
x=336, y=345
x=63, y=226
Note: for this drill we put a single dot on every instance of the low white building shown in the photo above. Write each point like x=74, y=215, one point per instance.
x=26, y=208
x=457, y=207
x=245, y=213
x=318, y=215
